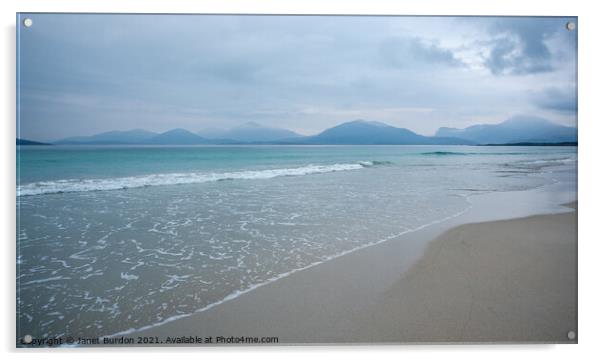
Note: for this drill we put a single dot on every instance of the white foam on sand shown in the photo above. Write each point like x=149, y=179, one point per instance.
x=238, y=293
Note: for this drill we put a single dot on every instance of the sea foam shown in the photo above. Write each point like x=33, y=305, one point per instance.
x=108, y=184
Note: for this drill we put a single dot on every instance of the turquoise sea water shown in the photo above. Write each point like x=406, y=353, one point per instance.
x=112, y=239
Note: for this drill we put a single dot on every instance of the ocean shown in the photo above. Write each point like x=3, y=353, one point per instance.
x=112, y=239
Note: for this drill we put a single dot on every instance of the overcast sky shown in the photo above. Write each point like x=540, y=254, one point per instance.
x=85, y=74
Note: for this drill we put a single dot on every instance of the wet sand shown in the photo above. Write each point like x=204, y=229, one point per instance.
x=500, y=281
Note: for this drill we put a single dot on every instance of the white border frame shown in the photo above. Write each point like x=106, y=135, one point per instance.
x=590, y=249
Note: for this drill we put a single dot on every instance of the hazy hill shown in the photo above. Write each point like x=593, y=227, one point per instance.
x=518, y=129
x=177, y=137
x=249, y=132
x=212, y=132
x=368, y=132
x=134, y=136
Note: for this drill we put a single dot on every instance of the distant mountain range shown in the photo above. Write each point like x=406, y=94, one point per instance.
x=520, y=129
x=361, y=132
x=355, y=132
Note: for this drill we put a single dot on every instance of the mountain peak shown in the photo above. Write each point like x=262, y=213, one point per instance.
x=177, y=131
x=177, y=136
x=362, y=122
x=375, y=133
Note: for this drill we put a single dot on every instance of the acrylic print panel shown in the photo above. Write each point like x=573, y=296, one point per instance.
x=237, y=179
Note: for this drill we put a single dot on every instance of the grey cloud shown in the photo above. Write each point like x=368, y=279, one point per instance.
x=509, y=57
x=404, y=52
x=561, y=100
x=520, y=45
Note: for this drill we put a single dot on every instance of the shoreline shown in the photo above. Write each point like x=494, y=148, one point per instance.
x=279, y=277
x=320, y=300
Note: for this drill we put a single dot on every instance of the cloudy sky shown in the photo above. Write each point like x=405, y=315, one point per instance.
x=85, y=74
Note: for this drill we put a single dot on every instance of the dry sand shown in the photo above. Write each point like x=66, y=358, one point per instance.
x=510, y=281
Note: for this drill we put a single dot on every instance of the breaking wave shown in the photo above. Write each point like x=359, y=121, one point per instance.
x=108, y=184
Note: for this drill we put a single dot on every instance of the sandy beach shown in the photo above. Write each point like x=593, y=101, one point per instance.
x=497, y=281
x=504, y=281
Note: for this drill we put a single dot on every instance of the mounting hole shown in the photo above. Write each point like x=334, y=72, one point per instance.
x=570, y=26
x=571, y=335
x=27, y=339
x=27, y=22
